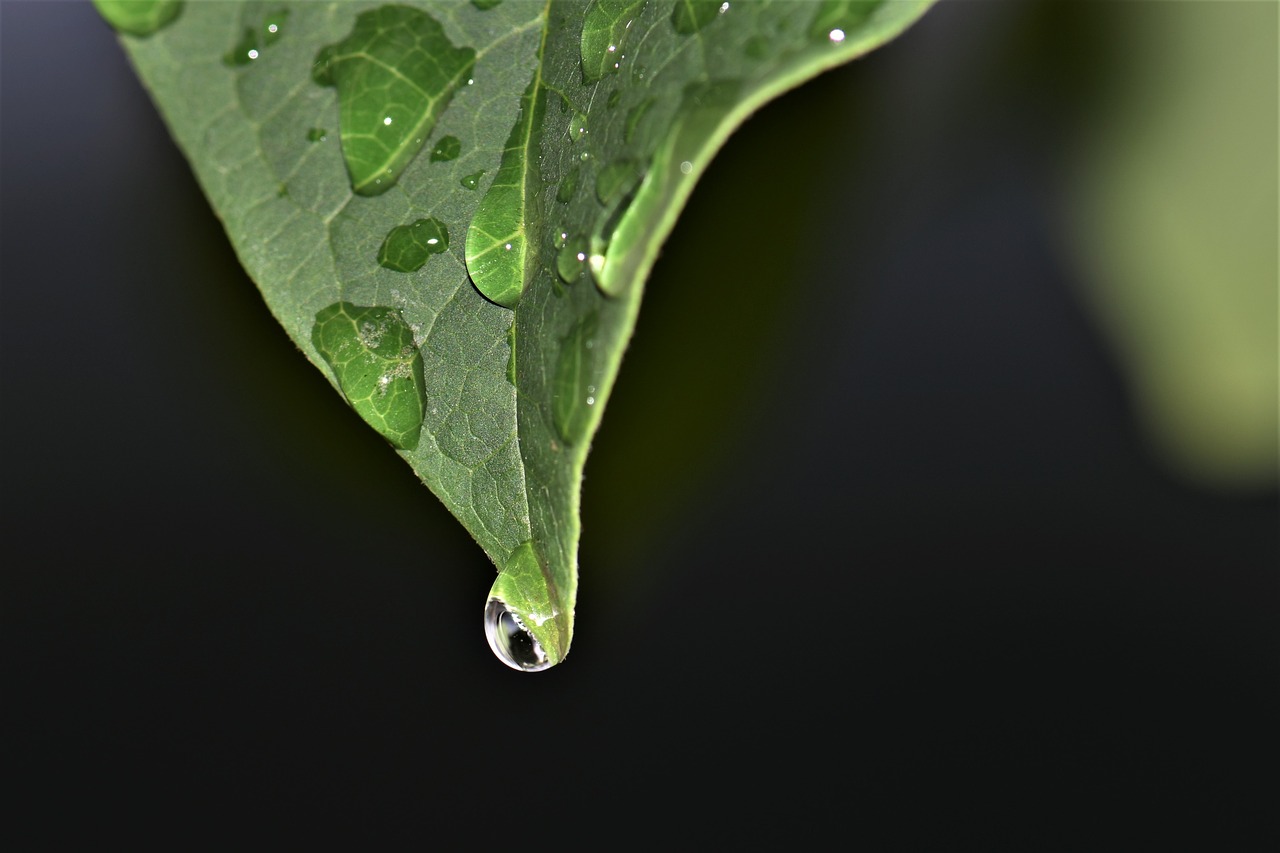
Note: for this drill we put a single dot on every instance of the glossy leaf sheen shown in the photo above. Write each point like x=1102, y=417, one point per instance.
x=510, y=398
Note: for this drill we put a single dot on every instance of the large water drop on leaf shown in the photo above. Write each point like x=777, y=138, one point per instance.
x=138, y=17
x=497, y=244
x=378, y=367
x=395, y=74
x=571, y=259
x=407, y=247
x=470, y=182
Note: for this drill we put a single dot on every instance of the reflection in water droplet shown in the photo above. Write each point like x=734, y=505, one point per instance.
x=513, y=644
x=407, y=247
x=836, y=19
x=686, y=167
x=836, y=35
x=317, y=134
x=472, y=181
x=138, y=17
x=568, y=186
x=446, y=149
x=571, y=260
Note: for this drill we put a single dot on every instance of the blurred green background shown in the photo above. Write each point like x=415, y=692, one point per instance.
x=944, y=456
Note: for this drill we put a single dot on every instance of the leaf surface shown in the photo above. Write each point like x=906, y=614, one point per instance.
x=489, y=288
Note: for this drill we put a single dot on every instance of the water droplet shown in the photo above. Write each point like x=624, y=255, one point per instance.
x=577, y=127
x=639, y=74
x=378, y=367
x=317, y=134
x=568, y=186
x=559, y=239
x=485, y=5
x=447, y=148
x=605, y=26
x=635, y=116
x=615, y=179
x=472, y=181
x=398, y=63
x=256, y=39
x=510, y=640
x=407, y=247
x=689, y=16
x=686, y=167
x=571, y=260
x=836, y=19
x=138, y=17
x=574, y=372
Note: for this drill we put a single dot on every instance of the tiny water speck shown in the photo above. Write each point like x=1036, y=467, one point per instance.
x=836, y=35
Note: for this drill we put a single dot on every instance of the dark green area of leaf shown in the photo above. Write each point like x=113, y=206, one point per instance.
x=378, y=367
x=395, y=74
x=689, y=16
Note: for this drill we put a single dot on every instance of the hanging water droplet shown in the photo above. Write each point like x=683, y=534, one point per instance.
x=317, y=134
x=447, y=148
x=407, y=247
x=513, y=644
x=472, y=181
x=571, y=260
x=615, y=179
x=686, y=167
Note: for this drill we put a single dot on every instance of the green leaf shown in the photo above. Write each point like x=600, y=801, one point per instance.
x=565, y=137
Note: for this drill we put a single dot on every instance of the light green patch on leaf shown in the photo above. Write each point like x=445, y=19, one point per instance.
x=518, y=346
x=138, y=17
x=378, y=367
x=395, y=74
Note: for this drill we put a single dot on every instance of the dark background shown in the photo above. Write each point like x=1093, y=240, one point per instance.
x=872, y=541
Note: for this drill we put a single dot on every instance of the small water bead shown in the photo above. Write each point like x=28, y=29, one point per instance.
x=605, y=26
x=448, y=148
x=578, y=127
x=836, y=35
x=317, y=134
x=407, y=247
x=472, y=181
x=485, y=5
x=615, y=179
x=560, y=238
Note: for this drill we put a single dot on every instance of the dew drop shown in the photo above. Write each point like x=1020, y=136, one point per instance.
x=836, y=35
x=686, y=167
x=615, y=179
x=568, y=186
x=560, y=239
x=571, y=260
x=407, y=247
x=448, y=148
x=256, y=39
x=317, y=134
x=472, y=181
x=578, y=127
